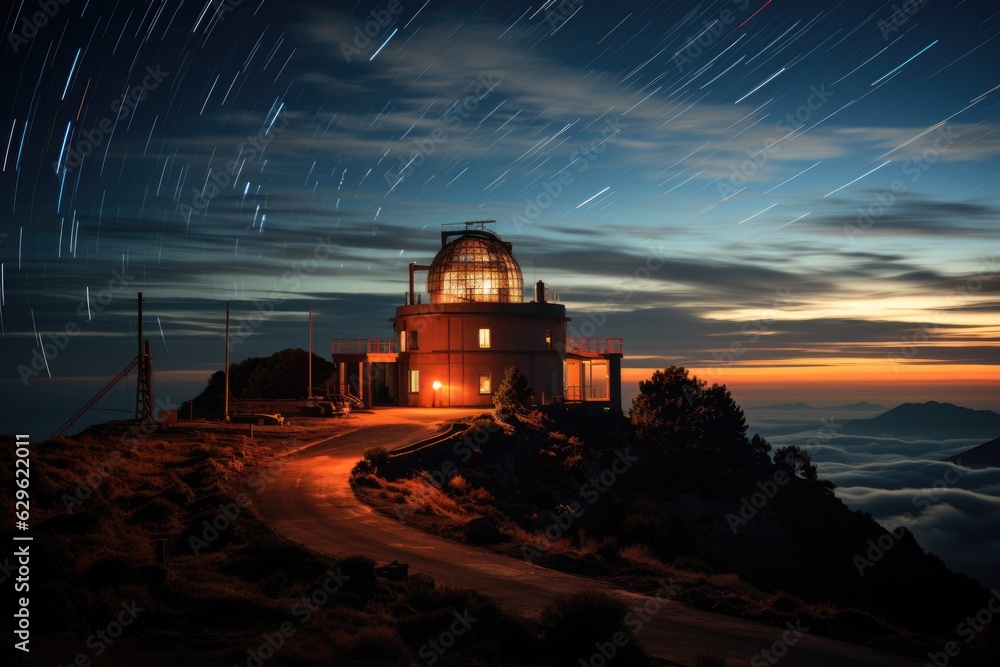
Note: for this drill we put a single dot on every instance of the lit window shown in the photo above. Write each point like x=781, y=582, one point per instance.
x=402, y=341
x=485, y=383
x=484, y=338
x=414, y=377
x=548, y=339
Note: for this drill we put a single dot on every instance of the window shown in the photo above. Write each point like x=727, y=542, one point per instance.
x=485, y=383
x=548, y=339
x=484, y=338
x=414, y=378
x=414, y=341
x=402, y=341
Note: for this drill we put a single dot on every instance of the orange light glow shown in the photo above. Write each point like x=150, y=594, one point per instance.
x=821, y=382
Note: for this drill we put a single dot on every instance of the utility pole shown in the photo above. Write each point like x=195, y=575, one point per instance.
x=226, y=399
x=310, y=394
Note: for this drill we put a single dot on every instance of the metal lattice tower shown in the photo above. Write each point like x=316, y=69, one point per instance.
x=144, y=383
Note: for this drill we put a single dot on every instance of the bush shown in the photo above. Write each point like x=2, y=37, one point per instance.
x=359, y=573
x=378, y=457
x=692, y=564
x=514, y=393
x=572, y=622
x=458, y=483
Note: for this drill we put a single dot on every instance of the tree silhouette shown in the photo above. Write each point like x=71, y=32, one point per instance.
x=681, y=414
x=282, y=375
x=797, y=461
x=514, y=393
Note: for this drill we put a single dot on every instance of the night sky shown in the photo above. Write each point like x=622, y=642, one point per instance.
x=796, y=198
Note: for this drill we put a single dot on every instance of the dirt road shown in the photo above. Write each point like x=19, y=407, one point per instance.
x=311, y=502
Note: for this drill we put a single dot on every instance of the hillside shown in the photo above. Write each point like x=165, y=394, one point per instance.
x=928, y=419
x=986, y=455
x=226, y=589
x=634, y=500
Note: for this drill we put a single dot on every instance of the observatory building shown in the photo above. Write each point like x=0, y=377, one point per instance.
x=453, y=343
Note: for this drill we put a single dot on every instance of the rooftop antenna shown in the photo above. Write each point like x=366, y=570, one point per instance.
x=310, y=394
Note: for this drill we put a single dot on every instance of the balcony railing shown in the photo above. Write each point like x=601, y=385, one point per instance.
x=364, y=345
x=594, y=345
x=418, y=298
x=576, y=394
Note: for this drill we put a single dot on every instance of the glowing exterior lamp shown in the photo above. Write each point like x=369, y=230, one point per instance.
x=437, y=385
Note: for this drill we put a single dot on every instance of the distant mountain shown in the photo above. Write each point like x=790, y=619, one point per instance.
x=931, y=418
x=986, y=455
x=863, y=405
x=787, y=406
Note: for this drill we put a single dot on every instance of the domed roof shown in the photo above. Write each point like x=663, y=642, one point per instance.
x=476, y=266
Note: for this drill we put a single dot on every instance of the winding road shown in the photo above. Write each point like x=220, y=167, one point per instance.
x=309, y=500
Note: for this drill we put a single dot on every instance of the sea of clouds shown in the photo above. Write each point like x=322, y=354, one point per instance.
x=952, y=510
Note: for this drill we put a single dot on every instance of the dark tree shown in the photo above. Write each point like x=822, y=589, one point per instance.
x=282, y=375
x=680, y=413
x=514, y=393
x=760, y=449
x=797, y=461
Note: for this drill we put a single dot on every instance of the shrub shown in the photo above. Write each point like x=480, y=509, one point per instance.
x=359, y=573
x=458, y=483
x=572, y=622
x=378, y=457
x=514, y=392
x=692, y=564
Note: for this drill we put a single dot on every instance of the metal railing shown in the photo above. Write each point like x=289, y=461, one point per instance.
x=418, y=298
x=575, y=394
x=364, y=345
x=594, y=345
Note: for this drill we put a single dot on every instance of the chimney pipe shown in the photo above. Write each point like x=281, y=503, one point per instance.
x=540, y=292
